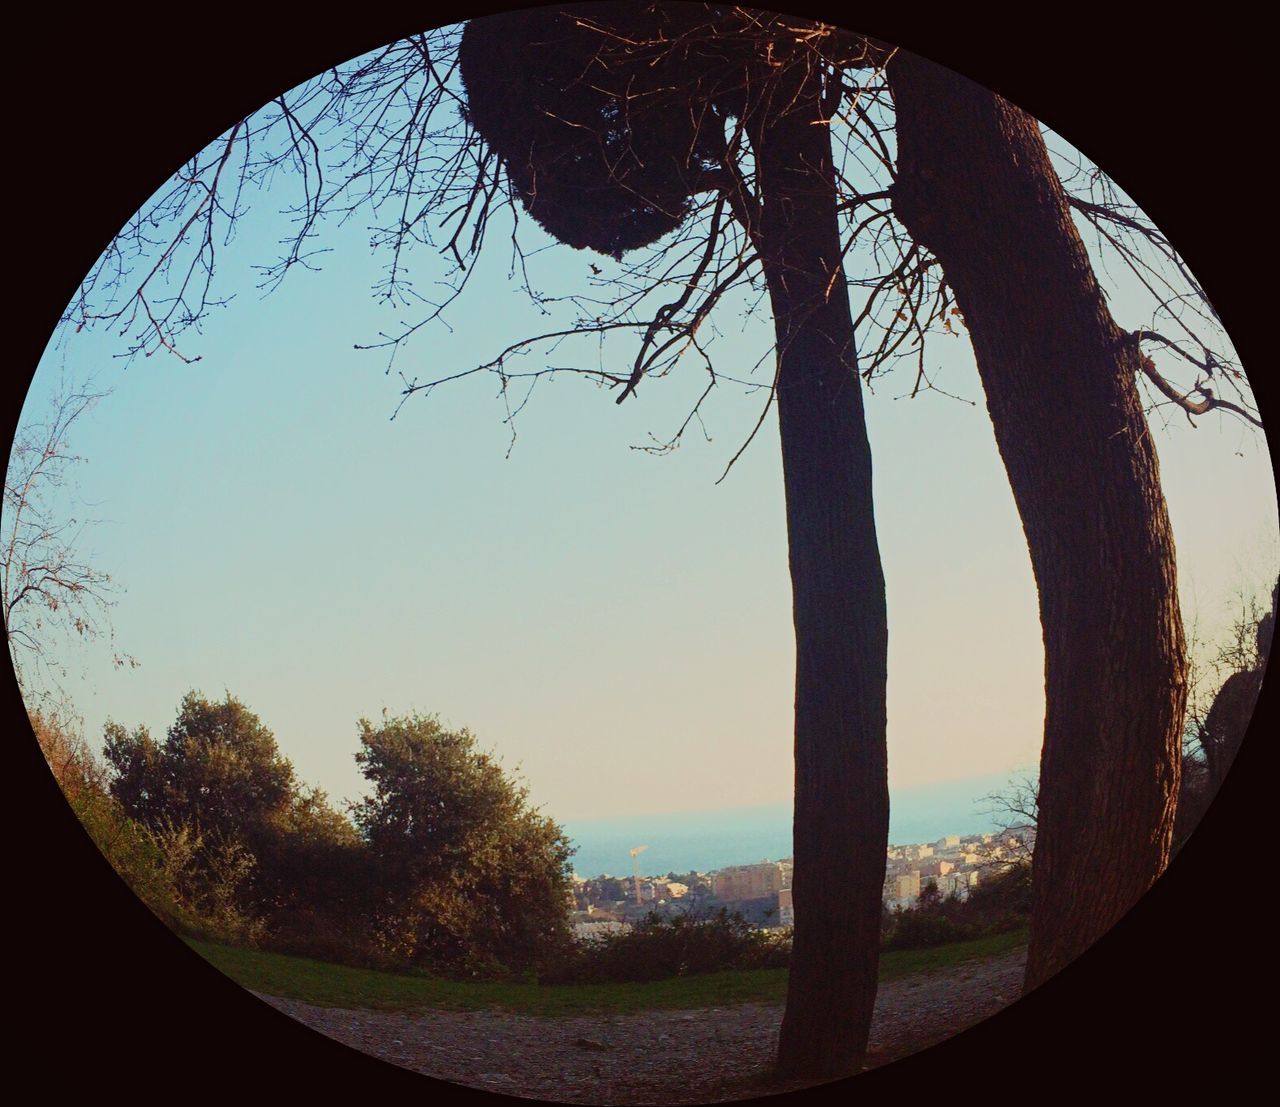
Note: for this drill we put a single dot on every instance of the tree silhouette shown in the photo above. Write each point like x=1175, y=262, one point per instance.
x=976, y=187
x=609, y=119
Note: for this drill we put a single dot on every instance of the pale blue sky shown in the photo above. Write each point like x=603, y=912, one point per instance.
x=615, y=623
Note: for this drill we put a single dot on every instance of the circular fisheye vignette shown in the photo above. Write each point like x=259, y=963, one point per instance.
x=968, y=320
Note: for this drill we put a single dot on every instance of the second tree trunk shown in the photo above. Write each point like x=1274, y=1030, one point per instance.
x=977, y=188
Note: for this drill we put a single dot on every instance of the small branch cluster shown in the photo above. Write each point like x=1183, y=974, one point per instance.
x=47, y=589
x=1198, y=347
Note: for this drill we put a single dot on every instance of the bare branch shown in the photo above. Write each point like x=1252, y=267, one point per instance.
x=1192, y=407
x=49, y=593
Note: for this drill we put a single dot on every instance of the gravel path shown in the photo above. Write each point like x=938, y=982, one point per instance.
x=656, y=1057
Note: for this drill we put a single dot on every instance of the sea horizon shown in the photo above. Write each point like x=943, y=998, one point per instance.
x=703, y=841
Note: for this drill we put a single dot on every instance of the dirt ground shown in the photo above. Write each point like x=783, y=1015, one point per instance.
x=656, y=1057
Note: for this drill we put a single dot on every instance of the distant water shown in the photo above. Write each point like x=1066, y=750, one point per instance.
x=705, y=840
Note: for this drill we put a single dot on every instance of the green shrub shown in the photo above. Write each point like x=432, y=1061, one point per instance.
x=188, y=885
x=134, y=855
x=1000, y=903
x=659, y=947
x=470, y=879
x=913, y=928
x=1003, y=900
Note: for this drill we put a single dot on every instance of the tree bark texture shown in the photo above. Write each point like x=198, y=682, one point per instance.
x=976, y=187
x=841, y=820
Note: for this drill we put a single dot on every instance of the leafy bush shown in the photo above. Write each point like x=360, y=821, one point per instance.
x=681, y=945
x=165, y=870
x=917, y=928
x=471, y=880
x=217, y=769
x=445, y=866
x=1002, y=902
x=209, y=874
x=133, y=853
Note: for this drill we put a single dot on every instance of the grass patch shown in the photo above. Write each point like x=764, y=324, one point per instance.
x=908, y=962
x=329, y=985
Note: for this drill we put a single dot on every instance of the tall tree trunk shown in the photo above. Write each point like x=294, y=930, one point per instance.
x=841, y=822
x=975, y=186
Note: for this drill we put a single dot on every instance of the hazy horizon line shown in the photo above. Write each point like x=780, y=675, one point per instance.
x=1011, y=776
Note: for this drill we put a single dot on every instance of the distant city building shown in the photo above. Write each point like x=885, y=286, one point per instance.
x=786, y=910
x=741, y=882
x=953, y=863
x=907, y=885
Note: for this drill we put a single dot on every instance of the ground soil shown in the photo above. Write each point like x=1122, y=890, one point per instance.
x=656, y=1057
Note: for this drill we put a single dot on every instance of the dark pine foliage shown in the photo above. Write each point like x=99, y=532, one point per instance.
x=605, y=136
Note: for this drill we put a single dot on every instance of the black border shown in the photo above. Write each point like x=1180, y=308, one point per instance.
x=104, y=104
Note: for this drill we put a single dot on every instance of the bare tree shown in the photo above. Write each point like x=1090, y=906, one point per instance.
x=1238, y=669
x=1015, y=811
x=1224, y=686
x=51, y=594
x=1057, y=371
x=613, y=123
x=977, y=187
